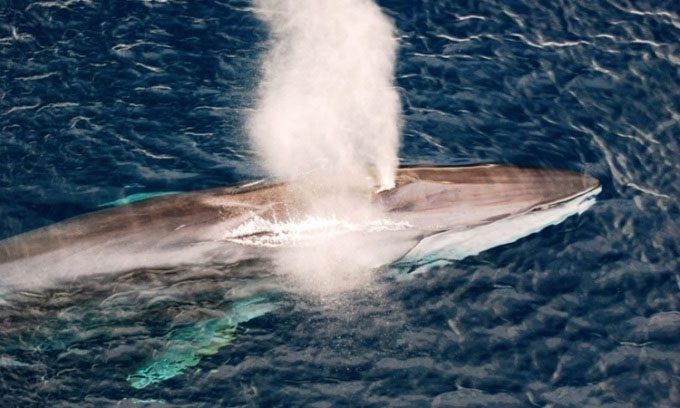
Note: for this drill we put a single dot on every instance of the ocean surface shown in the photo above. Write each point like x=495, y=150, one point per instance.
x=101, y=100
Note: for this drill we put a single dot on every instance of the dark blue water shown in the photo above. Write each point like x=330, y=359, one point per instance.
x=103, y=99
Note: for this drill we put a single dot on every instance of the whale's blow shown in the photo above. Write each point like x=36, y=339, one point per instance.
x=327, y=120
x=327, y=107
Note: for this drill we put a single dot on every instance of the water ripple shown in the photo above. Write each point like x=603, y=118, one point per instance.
x=103, y=100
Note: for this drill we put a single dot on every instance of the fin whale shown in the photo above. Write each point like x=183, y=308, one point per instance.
x=432, y=214
x=431, y=210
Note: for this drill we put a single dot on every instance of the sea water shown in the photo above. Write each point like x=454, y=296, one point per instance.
x=104, y=100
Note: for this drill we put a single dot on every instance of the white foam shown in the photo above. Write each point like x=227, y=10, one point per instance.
x=257, y=231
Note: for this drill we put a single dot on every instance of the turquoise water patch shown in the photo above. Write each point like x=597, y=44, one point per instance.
x=188, y=345
x=133, y=198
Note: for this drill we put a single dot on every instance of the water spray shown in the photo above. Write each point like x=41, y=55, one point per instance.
x=327, y=107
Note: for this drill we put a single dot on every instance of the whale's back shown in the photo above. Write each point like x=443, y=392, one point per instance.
x=157, y=216
x=201, y=227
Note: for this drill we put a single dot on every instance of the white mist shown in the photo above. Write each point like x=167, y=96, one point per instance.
x=327, y=120
x=327, y=108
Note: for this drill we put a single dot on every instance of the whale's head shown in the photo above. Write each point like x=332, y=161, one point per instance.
x=448, y=197
x=462, y=211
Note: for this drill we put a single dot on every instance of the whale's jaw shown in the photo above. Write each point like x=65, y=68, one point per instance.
x=458, y=244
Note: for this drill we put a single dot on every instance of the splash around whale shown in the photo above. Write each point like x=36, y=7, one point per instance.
x=433, y=213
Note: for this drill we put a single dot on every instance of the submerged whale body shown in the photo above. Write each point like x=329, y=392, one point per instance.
x=433, y=212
